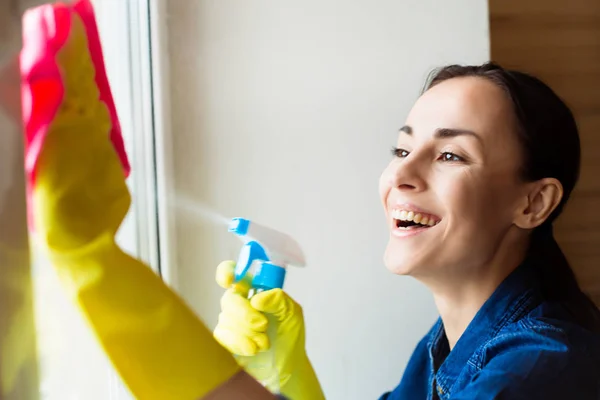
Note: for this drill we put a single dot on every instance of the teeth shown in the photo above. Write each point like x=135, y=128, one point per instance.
x=419, y=218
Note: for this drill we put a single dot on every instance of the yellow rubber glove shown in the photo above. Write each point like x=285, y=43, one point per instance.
x=242, y=328
x=79, y=198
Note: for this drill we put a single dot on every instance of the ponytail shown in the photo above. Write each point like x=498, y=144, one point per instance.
x=556, y=275
x=557, y=279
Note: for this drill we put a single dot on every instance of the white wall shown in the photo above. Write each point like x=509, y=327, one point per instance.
x=284, y=112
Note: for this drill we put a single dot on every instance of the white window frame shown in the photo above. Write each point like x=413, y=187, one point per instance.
x=134, y=38
x=135, y=34
x=157, y=40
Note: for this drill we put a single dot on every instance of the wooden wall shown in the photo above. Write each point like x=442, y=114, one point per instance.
x=559, y=41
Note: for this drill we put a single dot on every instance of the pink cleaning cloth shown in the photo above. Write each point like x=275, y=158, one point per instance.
x=46, y=29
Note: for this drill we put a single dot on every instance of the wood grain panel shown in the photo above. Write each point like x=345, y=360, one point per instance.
x=559, y=41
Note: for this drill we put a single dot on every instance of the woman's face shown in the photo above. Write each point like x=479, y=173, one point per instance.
x=452, y=190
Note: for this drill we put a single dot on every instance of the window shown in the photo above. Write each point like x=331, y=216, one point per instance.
x=71, y=363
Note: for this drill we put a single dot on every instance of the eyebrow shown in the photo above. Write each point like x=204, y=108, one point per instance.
x=443, y=133
x=406, y=129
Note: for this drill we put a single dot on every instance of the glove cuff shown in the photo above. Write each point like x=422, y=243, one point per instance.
x=303, y=384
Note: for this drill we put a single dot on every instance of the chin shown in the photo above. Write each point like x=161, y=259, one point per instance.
x=399, y=264
x=409, y=259
x=398, y=269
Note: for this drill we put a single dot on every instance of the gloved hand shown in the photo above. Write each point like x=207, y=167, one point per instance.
x=242, y=329
x=78, y=198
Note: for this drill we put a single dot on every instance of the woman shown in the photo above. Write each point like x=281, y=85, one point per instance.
x=485, y=163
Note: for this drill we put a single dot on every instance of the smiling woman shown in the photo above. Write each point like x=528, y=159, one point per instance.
x=482, y=167
x=493, y=155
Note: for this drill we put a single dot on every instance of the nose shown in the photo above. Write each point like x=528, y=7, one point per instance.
x=408, y=175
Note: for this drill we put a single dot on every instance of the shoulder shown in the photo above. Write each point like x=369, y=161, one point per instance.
x=550, y=328
x=540, y=356
x=545, y=336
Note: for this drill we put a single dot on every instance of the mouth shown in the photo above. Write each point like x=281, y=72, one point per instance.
x=408, y=221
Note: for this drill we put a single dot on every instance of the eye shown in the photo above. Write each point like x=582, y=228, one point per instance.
x=450, y=157
x=400, y=153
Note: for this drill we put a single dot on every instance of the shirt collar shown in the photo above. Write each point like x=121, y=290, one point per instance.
x=510, y=300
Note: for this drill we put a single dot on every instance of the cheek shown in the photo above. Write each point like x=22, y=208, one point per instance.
x=458, y=195
x=476, y=200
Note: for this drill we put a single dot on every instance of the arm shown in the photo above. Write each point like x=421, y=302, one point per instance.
x=78, y=198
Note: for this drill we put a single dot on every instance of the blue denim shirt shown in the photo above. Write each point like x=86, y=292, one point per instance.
x=522, y=344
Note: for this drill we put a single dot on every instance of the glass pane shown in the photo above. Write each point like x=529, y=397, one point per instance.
x=72, y=364
x=18, y=364
x=47, y=350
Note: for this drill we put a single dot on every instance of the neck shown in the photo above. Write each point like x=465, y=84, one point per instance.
x=459, y=297
x=457, y=308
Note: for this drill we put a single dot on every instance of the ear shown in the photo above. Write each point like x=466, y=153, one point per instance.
x=540, y=199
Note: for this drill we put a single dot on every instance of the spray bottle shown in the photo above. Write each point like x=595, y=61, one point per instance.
x=269, y=252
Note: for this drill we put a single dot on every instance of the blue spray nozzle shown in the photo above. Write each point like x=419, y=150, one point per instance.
x=269, y=276
x=239, y=226
x=272, y=250
x=252, y=251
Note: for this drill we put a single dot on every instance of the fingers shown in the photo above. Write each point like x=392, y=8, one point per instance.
x=224, y=274
x=275, y=302
x=241, y=328
x=225, y=278
x=239, y=308
x=239, y=344
x=242, y=325
x=239, y=338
